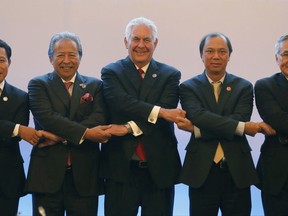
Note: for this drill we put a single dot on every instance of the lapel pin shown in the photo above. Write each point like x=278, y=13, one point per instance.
x=5, y=99
x=228, y=88
x=154, y=75
x=82, y=85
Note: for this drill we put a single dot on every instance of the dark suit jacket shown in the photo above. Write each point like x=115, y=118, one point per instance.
x=272, y=104
x=55, y=111
x=131, y=98
x=13, y=111
x=217, y=123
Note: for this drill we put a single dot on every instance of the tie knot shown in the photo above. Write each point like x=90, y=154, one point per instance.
x=68, y=84
x=141, y=73
x=217, y=83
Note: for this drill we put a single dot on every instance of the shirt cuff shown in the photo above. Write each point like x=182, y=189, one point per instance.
x=153, y=117
x=136, y=131
x=16, y=130
x=197, y=132
x=82, y=138
x=240, y=129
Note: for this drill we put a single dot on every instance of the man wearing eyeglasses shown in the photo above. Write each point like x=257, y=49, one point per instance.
x=272, y=104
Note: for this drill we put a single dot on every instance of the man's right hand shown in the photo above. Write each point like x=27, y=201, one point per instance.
x=98, y=133
x=29, y=134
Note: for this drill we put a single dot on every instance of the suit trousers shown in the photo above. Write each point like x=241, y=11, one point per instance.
x=219, y=192
x=67, y=199
x=276, y=205
x=8, y=206
x=124, y=199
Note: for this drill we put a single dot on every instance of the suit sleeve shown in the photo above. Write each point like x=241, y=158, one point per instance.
x=116, y=92
x=47, y=118
x=20, y=115
x=211, y=124
x=269, y=108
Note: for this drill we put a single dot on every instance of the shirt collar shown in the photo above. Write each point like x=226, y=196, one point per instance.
x=71, y=80
x=211, y=81
x=143, y=68
x=2, y=84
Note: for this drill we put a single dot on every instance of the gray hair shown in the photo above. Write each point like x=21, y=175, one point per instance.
x=279, y=42
x=64, y=36
x=141, y=21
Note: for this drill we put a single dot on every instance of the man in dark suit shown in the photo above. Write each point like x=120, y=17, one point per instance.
x=64, y=176
x=218, y=166
x=142, y=167
x=272, y=105
x=14, y=119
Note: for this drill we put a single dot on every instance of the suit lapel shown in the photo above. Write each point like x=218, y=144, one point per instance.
x=78, y=92
x=207, y=89
x=5, y=97
x=150, y=78
x=226, y=88
x=282, y=83
x=59, y=89
x=131, y=74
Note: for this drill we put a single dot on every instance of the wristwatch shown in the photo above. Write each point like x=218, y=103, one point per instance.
x=128, y=126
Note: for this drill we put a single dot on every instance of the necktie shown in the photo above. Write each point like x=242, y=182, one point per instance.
x=141, y=73
x=140, y=149
x=219, y=154
x=0, y=91
x=69, y=89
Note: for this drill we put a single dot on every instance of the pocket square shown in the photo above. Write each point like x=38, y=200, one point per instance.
x=86, y=98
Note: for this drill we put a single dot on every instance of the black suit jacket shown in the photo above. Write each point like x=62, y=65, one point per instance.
x=13, y=110
x=272, y=104
x=55, y=111
x=131, y=98
x=217, y=123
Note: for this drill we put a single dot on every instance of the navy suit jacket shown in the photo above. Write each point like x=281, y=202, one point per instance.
x=217, y=123
x=13, y=110
x=130, y=98
x=55, y=111
x=272, y=104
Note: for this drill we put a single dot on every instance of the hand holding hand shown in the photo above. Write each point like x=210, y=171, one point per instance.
x=185, y=124
x=117, y=130
x=171, y=114
x=98, y=133
x=252, y=128
x=48, y=139
x=29, y=134
x=267, y=129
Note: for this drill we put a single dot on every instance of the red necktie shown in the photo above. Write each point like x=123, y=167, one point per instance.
x=68, y=85
x=140, y=149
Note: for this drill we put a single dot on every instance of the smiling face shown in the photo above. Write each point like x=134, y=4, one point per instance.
x=140, y=45
x=4, y=64
x=65, y=58
x=215, y=57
